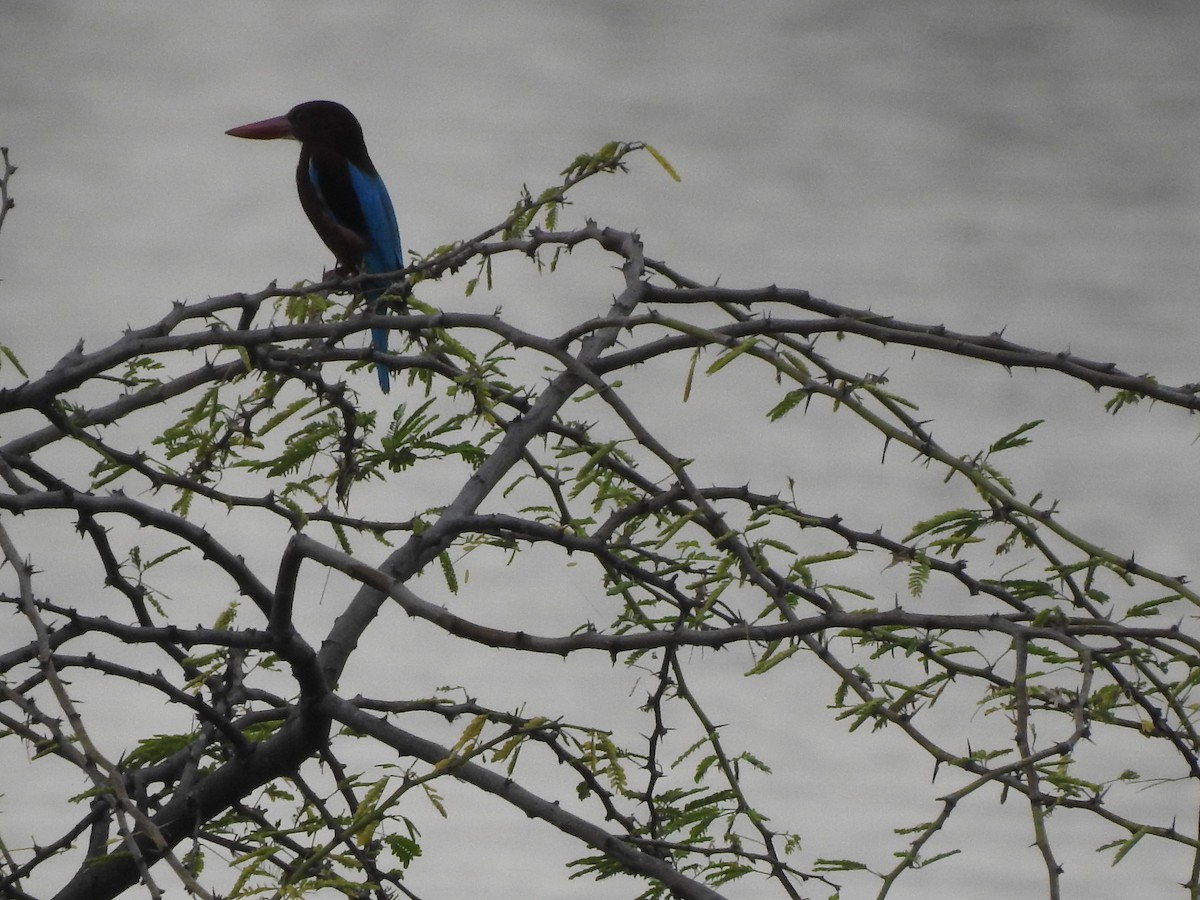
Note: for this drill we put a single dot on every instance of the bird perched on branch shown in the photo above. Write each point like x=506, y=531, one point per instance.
x=342, y=194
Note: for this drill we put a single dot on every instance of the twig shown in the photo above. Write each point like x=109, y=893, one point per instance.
x=6, y=172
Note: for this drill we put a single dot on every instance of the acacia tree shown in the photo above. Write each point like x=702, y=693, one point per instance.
x=222, y=469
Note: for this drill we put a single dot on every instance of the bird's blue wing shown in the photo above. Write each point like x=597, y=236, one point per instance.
x=374, y=220
x=383, y=253
x=366, y=209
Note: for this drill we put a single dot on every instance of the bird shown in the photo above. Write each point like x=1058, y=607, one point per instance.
x=341, y=193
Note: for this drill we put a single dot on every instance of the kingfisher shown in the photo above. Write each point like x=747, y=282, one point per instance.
x=341, y=193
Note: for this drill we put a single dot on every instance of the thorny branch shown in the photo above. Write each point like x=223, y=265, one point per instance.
x=166, y=449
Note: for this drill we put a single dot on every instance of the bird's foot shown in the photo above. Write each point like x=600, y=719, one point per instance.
x=338, y=271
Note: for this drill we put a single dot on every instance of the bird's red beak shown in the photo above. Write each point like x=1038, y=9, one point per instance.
x=266, y=130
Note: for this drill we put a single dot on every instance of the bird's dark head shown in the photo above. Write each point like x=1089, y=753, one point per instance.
x=326, y=124
x=317, y=123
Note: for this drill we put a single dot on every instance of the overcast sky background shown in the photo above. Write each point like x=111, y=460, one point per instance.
x=1026, y=166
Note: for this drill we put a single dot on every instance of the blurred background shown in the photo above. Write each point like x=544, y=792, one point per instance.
x=1012, y=165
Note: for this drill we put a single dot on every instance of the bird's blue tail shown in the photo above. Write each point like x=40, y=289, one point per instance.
x=383, y=252
x=379, y=339
x=375, y=222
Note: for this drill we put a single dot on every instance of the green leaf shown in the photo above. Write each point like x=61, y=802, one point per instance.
x=466, y=741
x=404, y=849
x=366, y=812
x=918, y=574
x=790, y=401
x=1128, y=845
x=448, y=571
x=1014, y=438
x=838, y=865
x=12, y=358
x=1150, y=607
x=771, y=660
x=157, y=748
x=283, y=415
x=226, y=619
x=941, y=522
x=730, y=355
x=662, y=161
x=691, y=375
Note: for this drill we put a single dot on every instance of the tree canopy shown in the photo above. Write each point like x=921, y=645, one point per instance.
x=210, y=525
